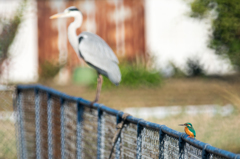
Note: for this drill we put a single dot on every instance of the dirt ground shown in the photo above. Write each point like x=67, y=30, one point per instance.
x=178, y=91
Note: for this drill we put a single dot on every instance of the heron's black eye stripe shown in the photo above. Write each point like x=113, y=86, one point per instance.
x=73, y=9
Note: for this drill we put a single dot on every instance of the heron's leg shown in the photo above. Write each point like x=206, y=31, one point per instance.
x=99, y=86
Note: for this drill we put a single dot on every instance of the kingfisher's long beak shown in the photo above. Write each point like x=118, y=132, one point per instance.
x=182, y=125
x=59, y=15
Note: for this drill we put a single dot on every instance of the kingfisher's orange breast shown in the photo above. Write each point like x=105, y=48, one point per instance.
x=187, y=131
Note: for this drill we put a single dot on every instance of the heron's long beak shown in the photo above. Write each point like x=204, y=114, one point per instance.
x=59, y=15
x=182, y=125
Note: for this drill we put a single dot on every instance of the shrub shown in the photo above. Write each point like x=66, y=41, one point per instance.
x=49, y=70
x=134, y=75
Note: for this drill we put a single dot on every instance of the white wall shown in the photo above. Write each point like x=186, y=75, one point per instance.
x=23, y=66
x=172, y=35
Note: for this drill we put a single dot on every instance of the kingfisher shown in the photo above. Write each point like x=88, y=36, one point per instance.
x=189, y=130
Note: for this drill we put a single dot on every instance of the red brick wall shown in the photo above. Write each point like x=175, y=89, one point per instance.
x=134, y=36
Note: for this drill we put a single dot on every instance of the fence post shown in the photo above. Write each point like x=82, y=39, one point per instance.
x=99, y=133
x=17, y=124
x=80, y=109
x=139, y=140
x=205, y=155
x=161, y=143
x=37, y=124
x=118, y=120
x=22, y=142
x=181, y=144
x=49, y=124
x=62, y=129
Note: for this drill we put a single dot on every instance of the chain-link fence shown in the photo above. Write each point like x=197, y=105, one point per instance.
x=51, y=124
x=8, y=149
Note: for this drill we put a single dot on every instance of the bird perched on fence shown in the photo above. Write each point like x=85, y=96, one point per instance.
x=189, y=130
x=92, y=49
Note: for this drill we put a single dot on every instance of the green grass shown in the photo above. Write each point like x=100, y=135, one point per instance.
x=48, y=70
x=134, y=76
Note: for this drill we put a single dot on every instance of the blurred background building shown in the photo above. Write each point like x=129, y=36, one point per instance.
x=119, y=23
x=133, y=29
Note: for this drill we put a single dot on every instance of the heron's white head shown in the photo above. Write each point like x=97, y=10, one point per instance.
x=69, y=12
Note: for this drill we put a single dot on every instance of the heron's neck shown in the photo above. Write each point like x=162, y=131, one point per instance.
x=72, y=35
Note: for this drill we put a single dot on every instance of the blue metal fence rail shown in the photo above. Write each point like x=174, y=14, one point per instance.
x=151, y=140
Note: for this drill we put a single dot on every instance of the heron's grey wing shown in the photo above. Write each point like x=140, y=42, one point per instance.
x=99, y=55
x=96, y=43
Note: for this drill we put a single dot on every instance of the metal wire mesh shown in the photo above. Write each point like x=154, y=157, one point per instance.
x=70, y=130
x=43, y=124
x=213, y=156
x=28, y=107
x=52, y=126
x=108, y=131
x=56, y=127
x=171, y=149
x=129, y=141
x=191, y=152
x=89, y=133
x=150, y=143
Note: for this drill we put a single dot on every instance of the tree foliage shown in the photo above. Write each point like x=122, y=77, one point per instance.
x=194, y=67
x=226, y=27
x=9, y=31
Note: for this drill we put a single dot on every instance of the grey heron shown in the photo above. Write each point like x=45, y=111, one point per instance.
x=92, y=49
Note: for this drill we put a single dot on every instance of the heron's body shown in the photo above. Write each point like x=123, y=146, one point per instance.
x=95, y=52
x=189, y=130
x=92, y=49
